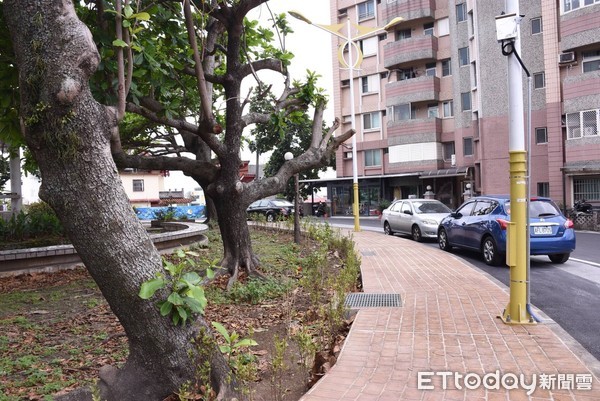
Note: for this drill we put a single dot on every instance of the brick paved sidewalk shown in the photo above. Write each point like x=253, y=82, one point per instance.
x=448, y=323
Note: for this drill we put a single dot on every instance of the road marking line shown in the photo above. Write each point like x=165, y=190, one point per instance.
x=586, y=262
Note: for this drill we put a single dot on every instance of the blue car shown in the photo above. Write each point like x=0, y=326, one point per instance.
x=480, y=224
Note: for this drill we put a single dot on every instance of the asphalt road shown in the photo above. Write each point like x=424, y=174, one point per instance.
x=569, y=293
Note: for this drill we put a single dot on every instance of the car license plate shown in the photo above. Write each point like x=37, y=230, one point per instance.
x=542, y=230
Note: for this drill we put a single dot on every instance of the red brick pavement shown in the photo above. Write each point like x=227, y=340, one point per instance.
x=448, y=323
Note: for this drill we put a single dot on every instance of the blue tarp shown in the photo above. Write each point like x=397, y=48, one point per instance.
x=181, y=212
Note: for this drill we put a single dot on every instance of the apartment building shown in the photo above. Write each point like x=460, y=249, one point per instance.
x=431, y=100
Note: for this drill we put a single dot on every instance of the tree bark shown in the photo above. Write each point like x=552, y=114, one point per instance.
x=237, y=246
x=69, y=133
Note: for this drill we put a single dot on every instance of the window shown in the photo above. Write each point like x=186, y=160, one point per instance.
x=369, y=46
x=371, y=120
x=428, y=29
x=539, y=80
x=536, y=26
x=402, y=112
x=591, y=61
x=447, y=107
x=483, y=207
x=586, y=188
x=432, y=110
x=370, y=84
x=407, y=73
x=430, y=69
x=461, y=12
x=372, y=157
x=138, y=185
x=570, y=5
x=466, y=209
x=448, y=150
x=468, y=146
x=543, y=189
x=446, y=67
x=444, y=27
x=541, y=135
x=366, y=10
x=583, y=123
x=463, y=56
x=403, y=34
x=465, y=99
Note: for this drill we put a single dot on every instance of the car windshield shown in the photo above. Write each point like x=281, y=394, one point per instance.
x=539, y=208
x=282, y=203
x=431, y=207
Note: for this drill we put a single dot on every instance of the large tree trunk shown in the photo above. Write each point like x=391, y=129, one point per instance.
x=69, y=133
x=237, y=246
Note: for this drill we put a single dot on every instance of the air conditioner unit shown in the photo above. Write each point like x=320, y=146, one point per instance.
x=453, y=160
x=589, y=131
x=567, y=57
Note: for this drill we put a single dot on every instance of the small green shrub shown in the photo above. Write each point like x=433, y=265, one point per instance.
x=38, y=220
x=168, y=214
x=256, y=290
x=187, y=293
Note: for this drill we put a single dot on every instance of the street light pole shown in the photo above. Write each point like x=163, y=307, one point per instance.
x=518, y=309
x=289, y=156
x=353, y=125
x=351, y=65
x=296, y=211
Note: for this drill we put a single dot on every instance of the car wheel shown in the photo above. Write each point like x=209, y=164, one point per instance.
x=559, y=257
x=270, y=217
x=387, y=229
x=443, y=240
x=416, y=233
x=489, y=251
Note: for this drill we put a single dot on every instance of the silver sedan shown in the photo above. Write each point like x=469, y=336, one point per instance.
x=418, y=218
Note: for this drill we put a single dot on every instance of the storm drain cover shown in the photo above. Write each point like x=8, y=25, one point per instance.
x=357, y=300
x=367, y=253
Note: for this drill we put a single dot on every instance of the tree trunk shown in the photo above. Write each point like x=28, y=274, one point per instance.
x=68, y=133
x=237, y=246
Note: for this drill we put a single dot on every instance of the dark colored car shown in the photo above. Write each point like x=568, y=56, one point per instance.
x=480, y=224
x=272, y=209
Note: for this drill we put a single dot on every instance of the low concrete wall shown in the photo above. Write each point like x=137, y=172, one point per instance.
x=52, y=258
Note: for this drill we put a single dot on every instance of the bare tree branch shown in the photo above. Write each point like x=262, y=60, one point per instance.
x=181, y=125
x=207, y=171
x=205, y=100
x=120, y=62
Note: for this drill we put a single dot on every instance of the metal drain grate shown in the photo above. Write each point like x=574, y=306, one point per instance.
x=357, y=300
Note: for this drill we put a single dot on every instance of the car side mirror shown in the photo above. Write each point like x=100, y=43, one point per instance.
x=456, y=215
x=408, y=212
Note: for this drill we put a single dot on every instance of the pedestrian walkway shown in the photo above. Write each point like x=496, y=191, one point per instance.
x=448, y=326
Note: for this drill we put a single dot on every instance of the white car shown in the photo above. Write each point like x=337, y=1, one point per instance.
x=418, y=218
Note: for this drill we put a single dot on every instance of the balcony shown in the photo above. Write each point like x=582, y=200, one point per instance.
x=410, y=10
x=419, y=89
x=580, y=28
x=416, y=130
x=420, y=48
